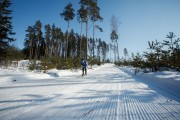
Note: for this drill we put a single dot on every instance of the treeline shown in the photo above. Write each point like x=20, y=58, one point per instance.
x=50, y=46
x=161, y=55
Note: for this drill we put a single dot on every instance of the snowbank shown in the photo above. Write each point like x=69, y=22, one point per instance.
x=20, y=73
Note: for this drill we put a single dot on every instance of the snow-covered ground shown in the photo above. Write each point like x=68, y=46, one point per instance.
x=168, y=81
x=106, y=93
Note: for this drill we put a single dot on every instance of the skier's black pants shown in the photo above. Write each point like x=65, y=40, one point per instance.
x=84, y=71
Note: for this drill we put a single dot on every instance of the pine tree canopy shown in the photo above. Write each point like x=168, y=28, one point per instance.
x=68, y=12
x=5, y=27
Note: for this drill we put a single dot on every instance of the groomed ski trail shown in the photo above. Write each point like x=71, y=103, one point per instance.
x=107, y=93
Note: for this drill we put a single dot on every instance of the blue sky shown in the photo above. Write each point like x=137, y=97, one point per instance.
x=140, y=20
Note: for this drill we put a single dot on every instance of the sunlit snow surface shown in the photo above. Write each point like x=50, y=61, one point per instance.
x=106, y=93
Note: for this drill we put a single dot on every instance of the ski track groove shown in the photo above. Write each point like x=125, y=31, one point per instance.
x=163, y=108
x=108, y=111
x=143, y=105
x=91, y=108
x=153, y=106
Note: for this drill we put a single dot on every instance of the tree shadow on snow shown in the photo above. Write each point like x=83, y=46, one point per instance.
x=29, y=100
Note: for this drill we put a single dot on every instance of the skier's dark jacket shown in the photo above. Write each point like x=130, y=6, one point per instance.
x=84, y=63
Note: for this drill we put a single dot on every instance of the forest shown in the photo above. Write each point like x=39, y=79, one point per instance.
x=63, y=50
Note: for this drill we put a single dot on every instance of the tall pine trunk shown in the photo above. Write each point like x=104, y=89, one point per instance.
x=30, y=53
x=93, y=46
x=52, y=47
x=30, y=50
x=114, y=52
x=67, y=41
x=86, y=38
x=37, y=50
x=46, y=51
x=117, y=51
x=81, y=40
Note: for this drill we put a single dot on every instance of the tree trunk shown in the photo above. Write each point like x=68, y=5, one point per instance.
x=37, y=50
x=60, y=49
x=114, y=52
x=67, y=41
x=117, y=51
x=52, y=46
x=93, y=46
x=30, y=56
x=110, y=53
x=46, y=53
x=57, y=48
x=87, y=38
x=93, y=38
x=81, y=40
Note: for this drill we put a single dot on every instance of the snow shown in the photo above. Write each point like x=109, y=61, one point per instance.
x=106, y=93
x=166, y=80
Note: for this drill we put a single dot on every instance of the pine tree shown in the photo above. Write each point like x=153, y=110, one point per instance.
x=95, y=16
x=91, y=12
x=125, y=53
x=68, y=15
x=78, y=43
x=39, y=38
x=158, y=49
x=87, y=4
x=104, y=50
x=115, y=36
x=72, y=44
x=151, y=56
x=137, y=62
x=47, y=38
x=59, y=37
x=81, y=17
x=30, y=42
x=5, y=28
x=99, y=45
x=52, y=42
x=172, y=46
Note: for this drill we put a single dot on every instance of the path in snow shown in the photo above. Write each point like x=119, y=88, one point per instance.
x=107, y=93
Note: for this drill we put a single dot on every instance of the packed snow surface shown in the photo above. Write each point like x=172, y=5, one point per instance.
x=106, y=93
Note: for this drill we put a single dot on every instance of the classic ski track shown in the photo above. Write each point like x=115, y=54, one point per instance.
x=90, y=106
x=124, y=98
x=50, y=112
x=161, y=100
x=30, y=108
x=28, y=104
x=155, y=109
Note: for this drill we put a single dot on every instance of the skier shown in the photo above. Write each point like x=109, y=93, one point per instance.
x=84, y=66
